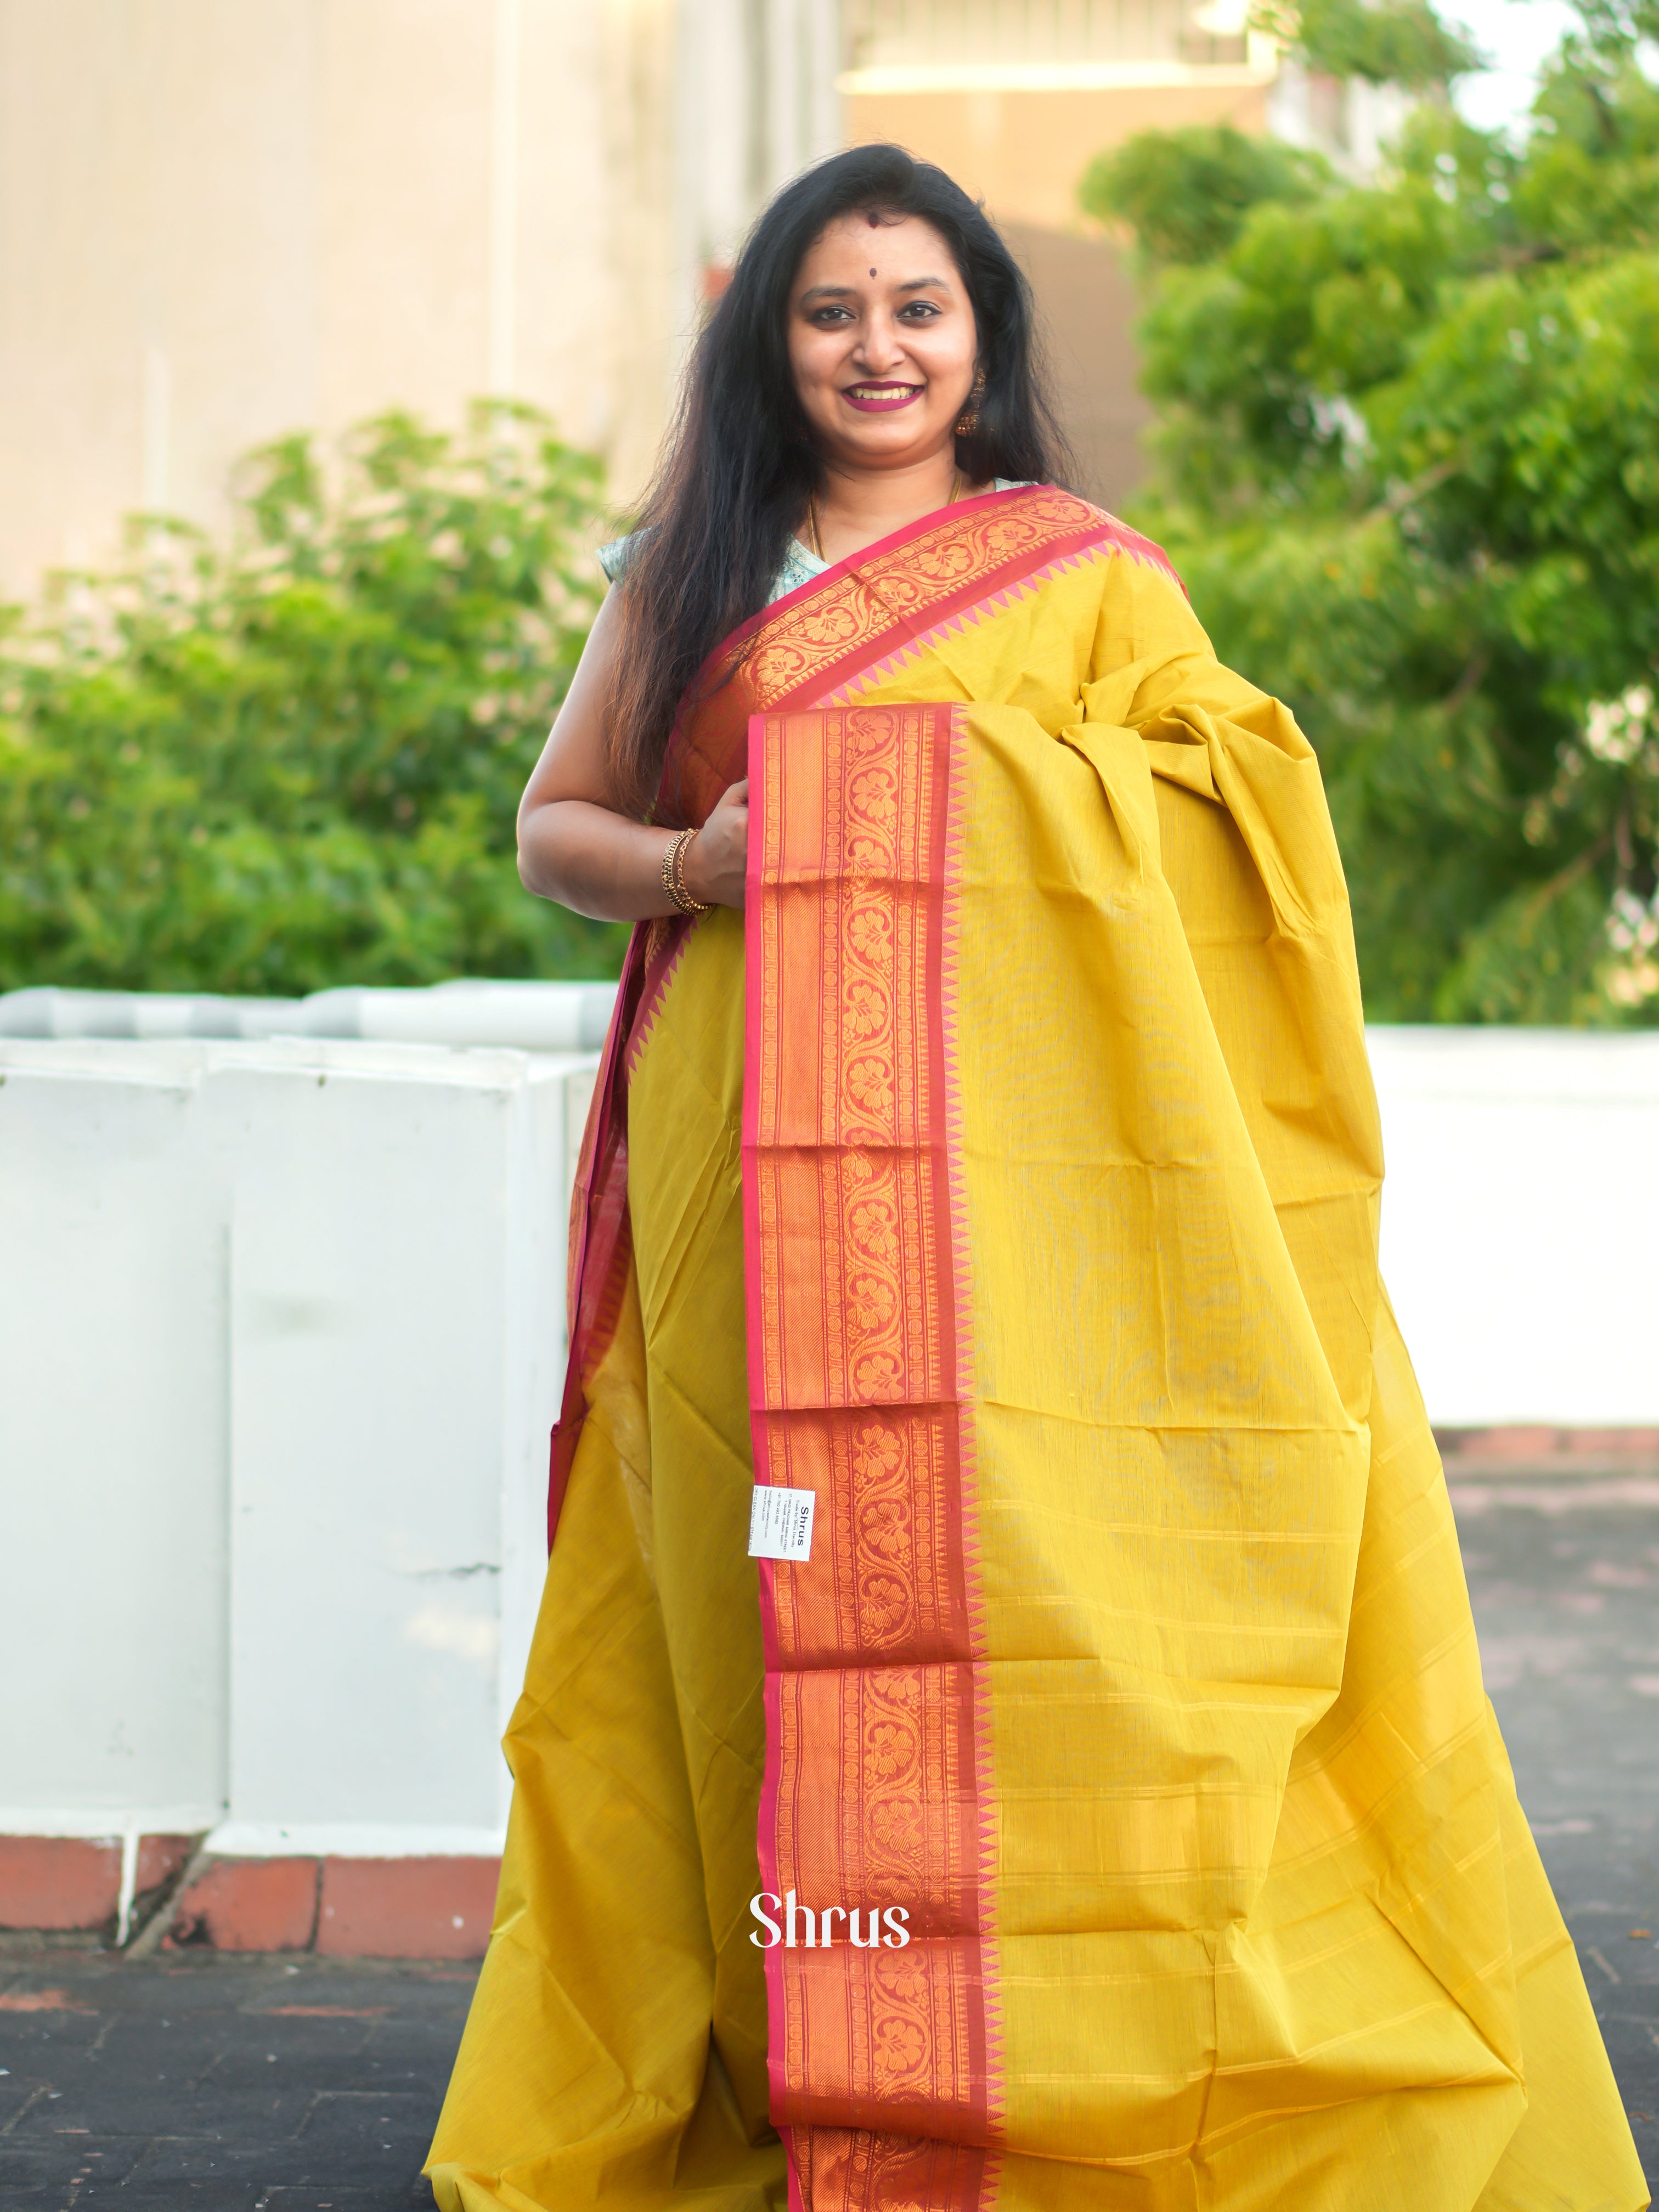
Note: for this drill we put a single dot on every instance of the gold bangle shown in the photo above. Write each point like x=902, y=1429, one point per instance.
x=673, y=874
x=683, y=898
x=668, y=853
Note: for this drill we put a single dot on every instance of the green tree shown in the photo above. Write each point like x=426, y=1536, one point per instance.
x=1385, y=41
x=294, y=761
x=1185, y=193
x=1407, y=456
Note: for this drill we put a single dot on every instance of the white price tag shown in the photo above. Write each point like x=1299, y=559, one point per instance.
x=781, y=1523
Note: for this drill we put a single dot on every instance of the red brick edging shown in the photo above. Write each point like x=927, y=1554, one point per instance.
x=1548, y=1450
x=61, y=1882
x=402, y=1908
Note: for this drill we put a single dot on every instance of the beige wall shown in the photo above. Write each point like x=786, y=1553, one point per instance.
x=1087, y=301
x=1023, y=153
x=224, y=220
x=221, y=220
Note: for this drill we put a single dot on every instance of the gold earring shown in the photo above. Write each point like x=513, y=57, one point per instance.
x=968, y=421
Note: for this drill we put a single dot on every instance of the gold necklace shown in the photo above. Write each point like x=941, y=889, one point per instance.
x=812, y=510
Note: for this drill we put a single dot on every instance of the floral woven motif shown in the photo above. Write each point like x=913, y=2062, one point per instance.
x=806, y=649
x=882, y=2059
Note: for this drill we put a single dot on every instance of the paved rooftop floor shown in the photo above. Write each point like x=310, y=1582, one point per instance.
x=1565, y=1576
x=268, y=2085
x=224, y=2083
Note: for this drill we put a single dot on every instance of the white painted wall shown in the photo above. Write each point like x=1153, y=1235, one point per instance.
x=282, y=1336
x=114, y=1403
x=1521, y=1221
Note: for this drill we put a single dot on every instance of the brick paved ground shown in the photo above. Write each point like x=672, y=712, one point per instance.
x=243, y=2085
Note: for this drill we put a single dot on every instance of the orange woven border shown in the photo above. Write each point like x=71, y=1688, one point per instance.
x=882, y=2059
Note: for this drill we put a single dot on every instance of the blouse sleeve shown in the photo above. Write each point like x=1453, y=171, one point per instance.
x=615, y=557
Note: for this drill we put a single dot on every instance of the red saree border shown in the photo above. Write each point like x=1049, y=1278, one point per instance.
x=859, y=616
x=884, y=2062
x=953, y=623
x=863, y=612
x=984, y=1764
x=601, y=1237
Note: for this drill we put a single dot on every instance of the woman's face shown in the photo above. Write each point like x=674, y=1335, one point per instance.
x=882, y=341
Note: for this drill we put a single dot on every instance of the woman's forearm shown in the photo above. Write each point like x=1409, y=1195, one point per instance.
x=594, y=861
x=599, y=863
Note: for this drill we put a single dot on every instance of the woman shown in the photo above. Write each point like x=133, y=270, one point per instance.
x=985, y=1149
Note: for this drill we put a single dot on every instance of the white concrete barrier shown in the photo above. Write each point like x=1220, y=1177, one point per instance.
x=1521, y=1221
x=534, y=1016
x=282, y=1336
x=113, y=1472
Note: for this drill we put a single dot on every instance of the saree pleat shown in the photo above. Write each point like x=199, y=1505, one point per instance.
x=1009, y=1176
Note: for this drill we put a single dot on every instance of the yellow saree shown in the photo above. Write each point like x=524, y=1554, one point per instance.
x=1008, y=1177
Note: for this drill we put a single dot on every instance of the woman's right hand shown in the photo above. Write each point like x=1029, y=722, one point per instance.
x=712, y=866
x=575, y=845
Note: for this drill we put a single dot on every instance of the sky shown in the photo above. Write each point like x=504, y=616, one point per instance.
x=1518, y=35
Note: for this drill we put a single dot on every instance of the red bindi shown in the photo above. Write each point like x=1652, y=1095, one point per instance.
x=873, y=272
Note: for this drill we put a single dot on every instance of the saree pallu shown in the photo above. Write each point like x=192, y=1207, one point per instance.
x=1007, y=1175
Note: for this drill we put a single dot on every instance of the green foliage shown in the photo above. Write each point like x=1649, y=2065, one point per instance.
x=296, y=762
x=1407, y=459
x=1185, y=193
x=1385, y=41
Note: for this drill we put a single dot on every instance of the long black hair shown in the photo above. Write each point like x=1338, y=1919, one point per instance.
x=739, y=466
